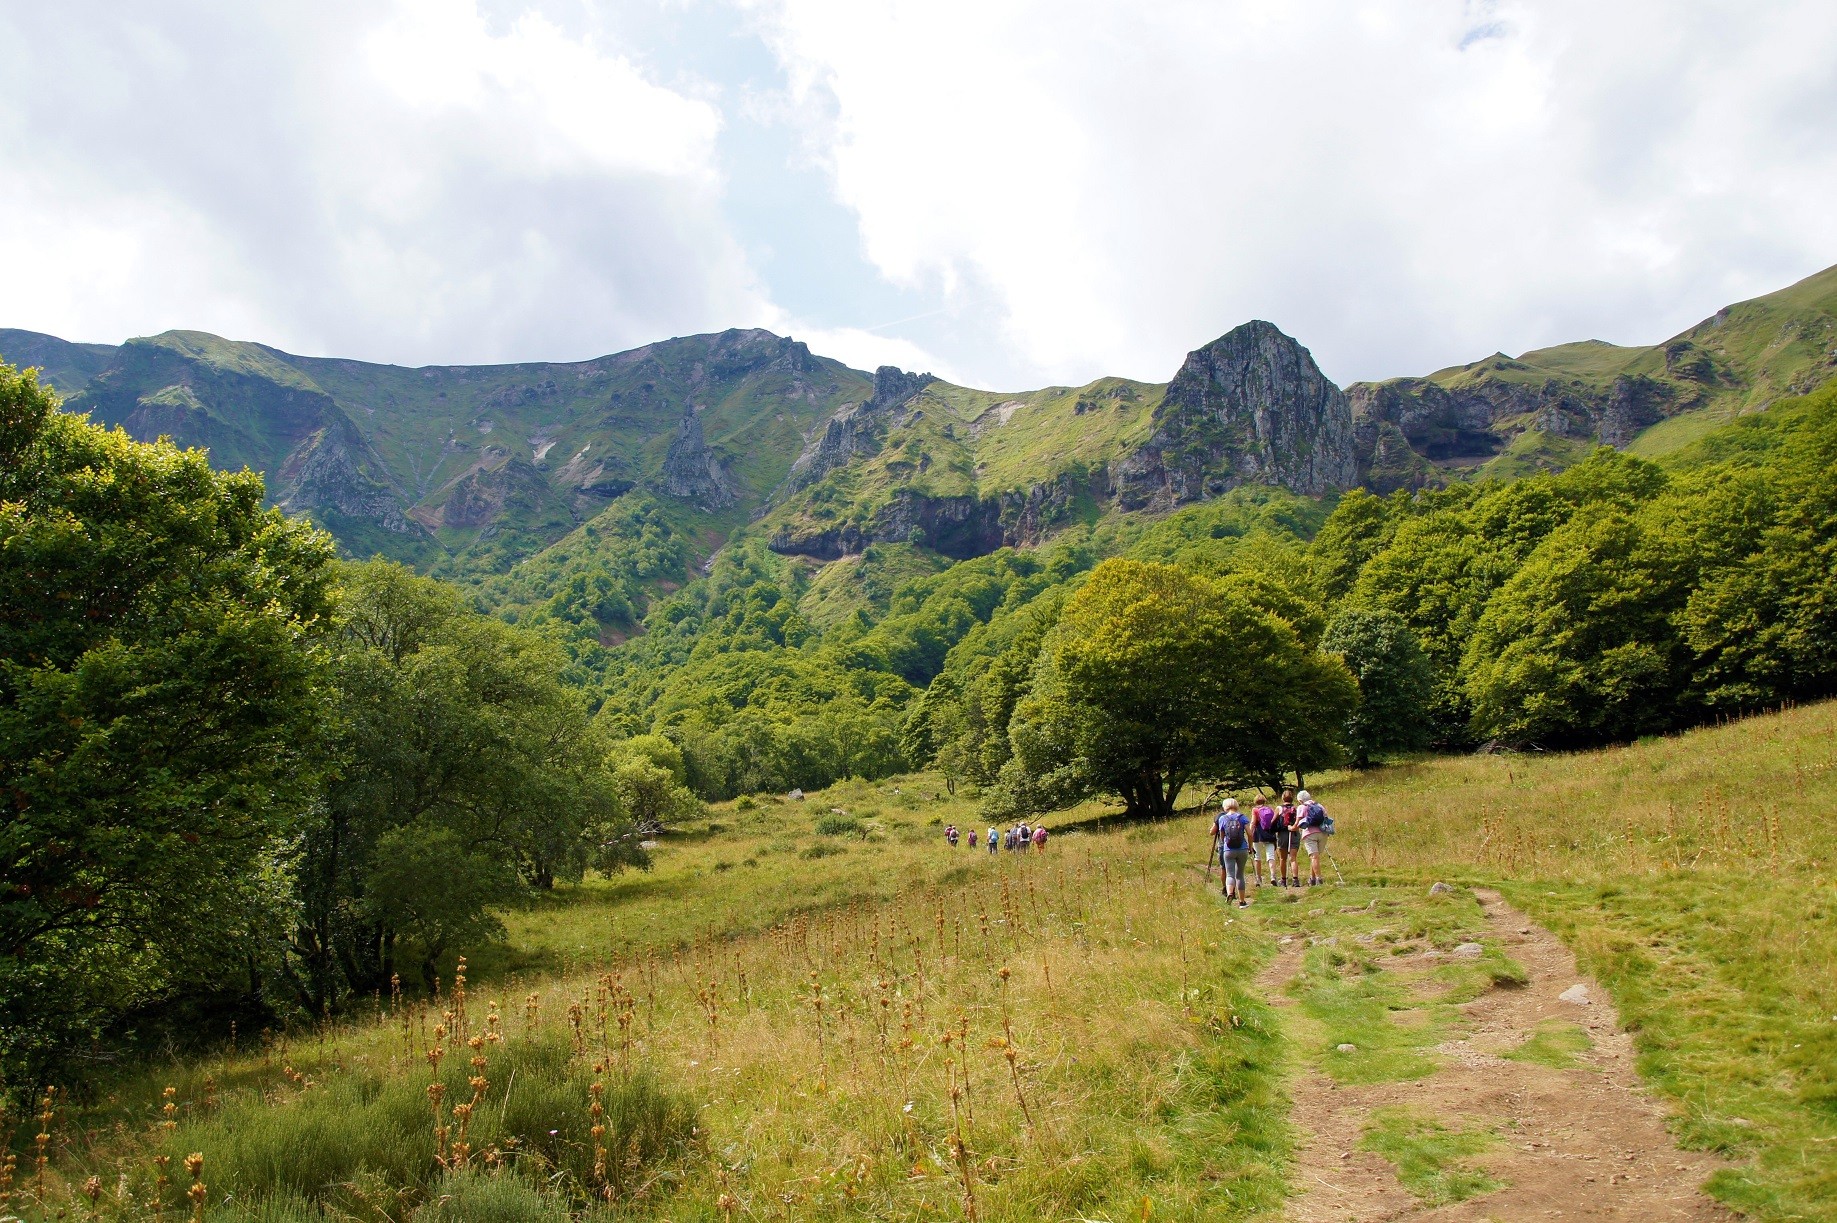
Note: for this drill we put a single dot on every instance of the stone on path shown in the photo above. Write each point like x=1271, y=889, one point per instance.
x=1470, y=949
x=1577, y=993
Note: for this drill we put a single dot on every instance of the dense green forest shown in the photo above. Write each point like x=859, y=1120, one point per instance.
x=1618, y=598
x=244, y=780
x=229, y=758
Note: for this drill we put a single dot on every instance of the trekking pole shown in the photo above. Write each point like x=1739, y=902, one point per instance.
x=1335, y=861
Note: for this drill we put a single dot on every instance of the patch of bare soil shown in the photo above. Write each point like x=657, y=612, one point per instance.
x=1579, y=1143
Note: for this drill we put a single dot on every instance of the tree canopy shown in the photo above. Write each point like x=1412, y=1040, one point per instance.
x=160, y=684
x=1154, y=678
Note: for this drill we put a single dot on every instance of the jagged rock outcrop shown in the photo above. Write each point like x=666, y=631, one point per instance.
x=858, y=430
x=958, y=527
x=692, y=471
x=1249, y=408
x=1468, y=423
x=1402, y=429
x=323, y=475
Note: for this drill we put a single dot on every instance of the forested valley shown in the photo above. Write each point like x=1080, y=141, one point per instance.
x=233, y=758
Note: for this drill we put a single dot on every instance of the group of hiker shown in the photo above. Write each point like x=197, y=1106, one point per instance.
x=1273, y=835
x=1022, y=838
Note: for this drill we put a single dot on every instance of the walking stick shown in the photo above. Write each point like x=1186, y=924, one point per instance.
x=1335, y=861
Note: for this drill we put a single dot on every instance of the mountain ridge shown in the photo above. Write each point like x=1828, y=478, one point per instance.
x=466, y=470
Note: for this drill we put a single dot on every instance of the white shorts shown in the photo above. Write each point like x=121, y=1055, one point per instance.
x=1310, y=841
x=1269, y=850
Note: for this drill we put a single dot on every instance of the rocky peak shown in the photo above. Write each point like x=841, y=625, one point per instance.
x=1249, y=408
x=858, y=429
x=894, y=387
x=692, y=471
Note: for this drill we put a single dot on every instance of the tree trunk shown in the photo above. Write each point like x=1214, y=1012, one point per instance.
x=430, y=968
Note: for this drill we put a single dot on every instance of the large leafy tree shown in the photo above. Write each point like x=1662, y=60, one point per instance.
x=453, y=732
x=158, y=713
x=1153, y=678
x=1396, y=683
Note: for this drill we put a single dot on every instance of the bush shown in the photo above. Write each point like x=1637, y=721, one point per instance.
x=469, y=1197
x=374, y=1127
x=839, y=825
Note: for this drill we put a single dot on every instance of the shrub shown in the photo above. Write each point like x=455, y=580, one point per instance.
x=375, y=1126
x=838, y=825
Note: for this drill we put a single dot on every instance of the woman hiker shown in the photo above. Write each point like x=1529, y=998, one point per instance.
x=1309, y=818
x=1263, y=838
x=1288, y=842
x=1231, y=841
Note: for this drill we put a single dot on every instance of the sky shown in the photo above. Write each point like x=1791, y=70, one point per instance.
x=1007, y=193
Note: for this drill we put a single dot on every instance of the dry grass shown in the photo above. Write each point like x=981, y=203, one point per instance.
x=964, y=1035
x=1693, y=874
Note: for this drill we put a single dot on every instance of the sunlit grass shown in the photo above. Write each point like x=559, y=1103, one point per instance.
x=1430, y=1158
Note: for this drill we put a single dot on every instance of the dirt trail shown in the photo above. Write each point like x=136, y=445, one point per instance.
x=1587, y=1142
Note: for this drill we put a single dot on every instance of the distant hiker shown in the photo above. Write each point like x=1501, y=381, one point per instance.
x=1288, y=842
x=1263, y=838
x=992, y=841
x=950, y=834
x=1311, y=819
x=1039, y=840
x=1007, y=840
x=1231, y=841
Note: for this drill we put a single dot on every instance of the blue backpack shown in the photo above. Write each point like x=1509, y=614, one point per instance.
x=1231, y=830
x=1317, y=817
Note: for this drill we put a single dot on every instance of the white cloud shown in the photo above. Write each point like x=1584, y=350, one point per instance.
x=406, y=182
x=1064, y=188
x=866, y=350
x=1400, y=184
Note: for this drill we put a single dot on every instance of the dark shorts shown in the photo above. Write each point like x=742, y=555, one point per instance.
x=1266, y=836
x=1288, y=839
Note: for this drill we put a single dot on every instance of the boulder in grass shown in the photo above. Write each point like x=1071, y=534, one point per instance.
x=1470, y=949
x=1440, y=889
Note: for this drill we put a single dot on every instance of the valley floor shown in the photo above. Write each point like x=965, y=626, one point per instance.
x=867, y=1024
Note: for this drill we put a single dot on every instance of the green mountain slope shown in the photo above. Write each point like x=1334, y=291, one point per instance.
x=64, y=367
x=1507, y=416
x=468, y=471
x=465, y=469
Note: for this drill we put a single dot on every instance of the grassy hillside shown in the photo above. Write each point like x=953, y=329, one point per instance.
x=466, y=469
x=788, y=974
x=63, y=366
x=1545, y=407
x=1692, y=874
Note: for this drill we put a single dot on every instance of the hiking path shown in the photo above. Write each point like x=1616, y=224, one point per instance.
x=1484, y=1079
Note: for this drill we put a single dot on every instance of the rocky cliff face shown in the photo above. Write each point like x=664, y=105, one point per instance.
x=1402, y=429
x=323, y=475
x=1411, y=432
x=1249, y=408
x=858, y=430
x=694, y=472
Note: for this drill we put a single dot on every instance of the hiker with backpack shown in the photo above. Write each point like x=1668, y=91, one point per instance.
x=1039, y=839
x=994, y=840
x=1288, y=842
x=1315, y=826
x=1231, y=842
x=1263, y=839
